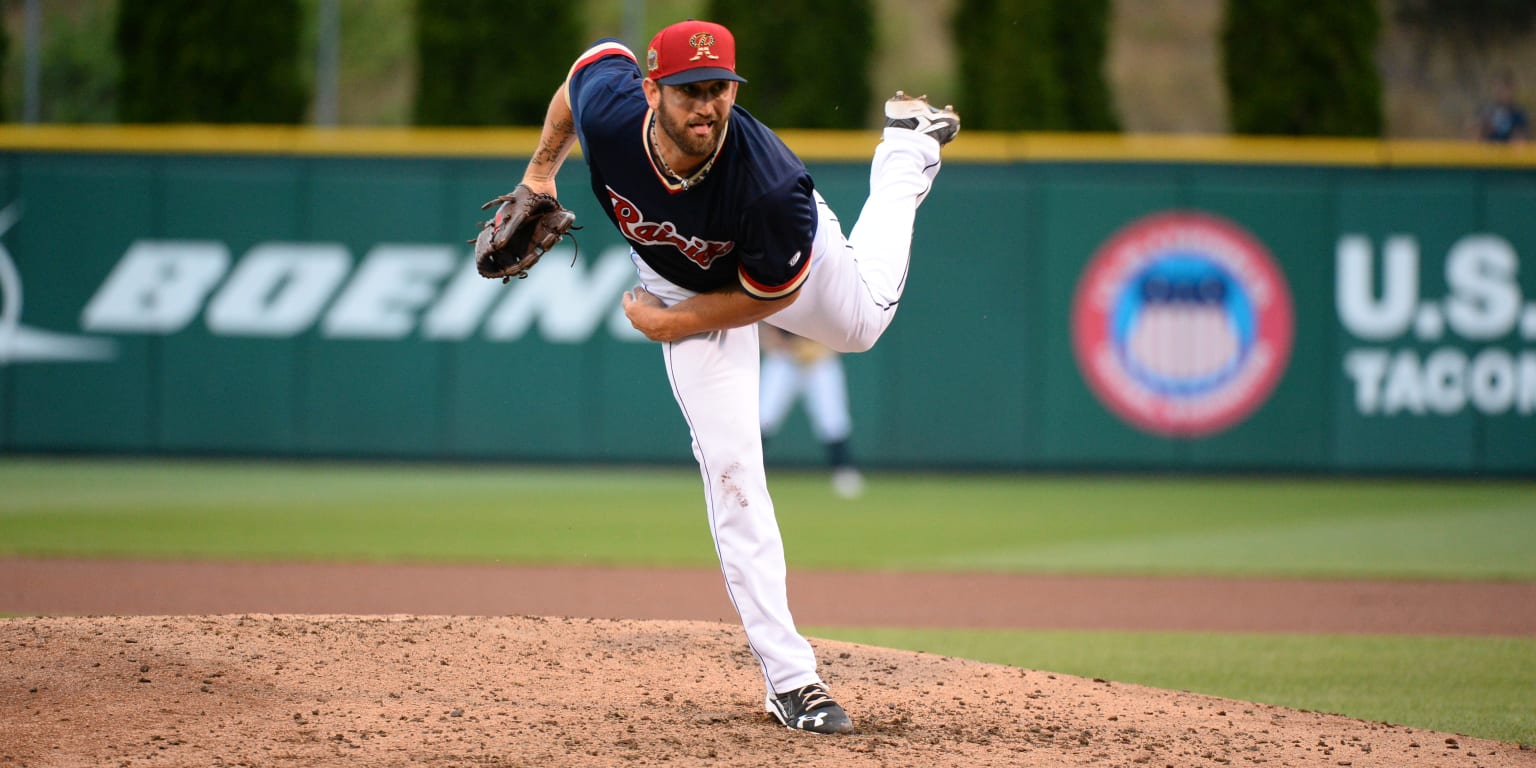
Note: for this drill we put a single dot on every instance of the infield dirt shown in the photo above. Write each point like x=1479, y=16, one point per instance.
x=412, y=690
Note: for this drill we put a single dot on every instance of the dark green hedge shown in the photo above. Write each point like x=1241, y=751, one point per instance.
x=492, y=62
x=1302, y=69
x=807, y=61
x=1033, y=64
x=232, y=61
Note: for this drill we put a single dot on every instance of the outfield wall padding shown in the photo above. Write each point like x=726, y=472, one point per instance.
x=1218, y=312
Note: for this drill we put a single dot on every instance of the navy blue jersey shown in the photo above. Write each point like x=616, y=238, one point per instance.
x=749, y=221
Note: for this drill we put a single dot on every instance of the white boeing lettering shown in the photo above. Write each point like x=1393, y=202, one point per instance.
x=1485, y=297
x=567, y=308
x=392, y=285
x=569, y=304
x=1362, y=314
x=462, y=307
x=278, y=289
x=158, y=287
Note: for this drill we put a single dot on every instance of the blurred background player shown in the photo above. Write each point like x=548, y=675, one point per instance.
x=1502, y=120
x=798, y=369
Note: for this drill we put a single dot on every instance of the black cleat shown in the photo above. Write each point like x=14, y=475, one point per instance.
x=916, y=114
x=810, y=709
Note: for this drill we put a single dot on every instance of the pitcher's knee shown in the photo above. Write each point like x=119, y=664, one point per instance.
x=857, y=342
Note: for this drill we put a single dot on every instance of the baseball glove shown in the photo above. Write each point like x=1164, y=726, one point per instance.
x=526, y=225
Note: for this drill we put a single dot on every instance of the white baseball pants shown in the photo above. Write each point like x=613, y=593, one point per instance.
x=846, y=303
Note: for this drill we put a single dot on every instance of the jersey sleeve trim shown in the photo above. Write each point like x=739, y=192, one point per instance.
x=599, y=50
x=769, y=292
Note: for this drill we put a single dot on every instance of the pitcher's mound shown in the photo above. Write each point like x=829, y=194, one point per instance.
x=519, y=691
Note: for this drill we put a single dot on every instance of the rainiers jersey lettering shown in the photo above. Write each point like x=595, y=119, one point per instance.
x=634, y=226
x=750, y=221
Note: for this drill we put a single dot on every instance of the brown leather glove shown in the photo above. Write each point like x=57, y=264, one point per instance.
x=526, y=225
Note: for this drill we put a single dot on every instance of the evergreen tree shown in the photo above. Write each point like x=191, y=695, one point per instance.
x=1302, y=68
x=469, y=73
x=1033, y=64
x=233, y=61
x=1081, y=47
x=802, y=75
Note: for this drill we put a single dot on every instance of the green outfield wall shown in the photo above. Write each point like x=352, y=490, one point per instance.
x=1074, y=302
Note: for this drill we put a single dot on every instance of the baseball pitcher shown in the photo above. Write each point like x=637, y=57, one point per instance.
x=727, y=230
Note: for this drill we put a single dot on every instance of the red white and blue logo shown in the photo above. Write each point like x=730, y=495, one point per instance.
x=1182, y=324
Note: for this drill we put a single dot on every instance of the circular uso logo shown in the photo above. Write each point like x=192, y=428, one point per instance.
x=1182, y=324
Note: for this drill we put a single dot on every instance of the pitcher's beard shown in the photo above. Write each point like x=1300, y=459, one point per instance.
x=696, y=147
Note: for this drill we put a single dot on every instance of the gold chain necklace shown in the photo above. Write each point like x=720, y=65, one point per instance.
x=697, y=176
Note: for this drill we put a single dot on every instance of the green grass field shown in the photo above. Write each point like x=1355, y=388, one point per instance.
x=1476, y=686
x=1307, y=528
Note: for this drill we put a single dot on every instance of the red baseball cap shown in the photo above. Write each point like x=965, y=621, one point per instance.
x=690, y=52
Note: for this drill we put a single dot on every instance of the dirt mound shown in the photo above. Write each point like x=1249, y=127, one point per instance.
x=510, y=691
